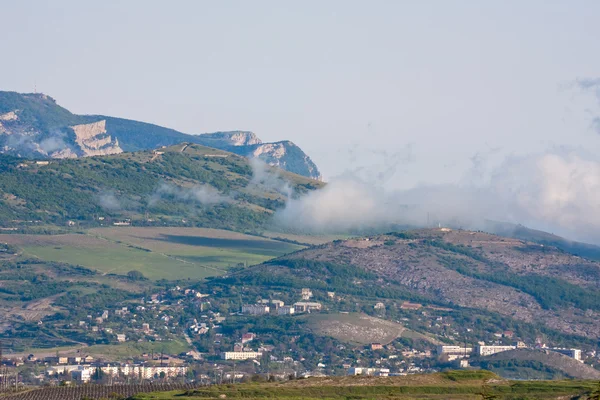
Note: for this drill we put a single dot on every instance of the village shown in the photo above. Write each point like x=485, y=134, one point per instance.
x=221, y=345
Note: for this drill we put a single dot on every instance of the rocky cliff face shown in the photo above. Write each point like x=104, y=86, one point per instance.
x=33, y=125
x=82, y=140
x=285, y=154
x=288, y=156
x=94, y=141
x=234, y=138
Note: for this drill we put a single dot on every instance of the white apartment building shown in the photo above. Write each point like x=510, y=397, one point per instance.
x=84, y=373
x=573, y=353
x=454, y=352
x=489, y=350
x=240, y=355
x=368, y=371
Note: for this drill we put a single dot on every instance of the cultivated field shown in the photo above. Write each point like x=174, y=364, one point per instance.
x=169, y=253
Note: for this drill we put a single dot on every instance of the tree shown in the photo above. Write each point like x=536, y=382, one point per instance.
x=135, y=276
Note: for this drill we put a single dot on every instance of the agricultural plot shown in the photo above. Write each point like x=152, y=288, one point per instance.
x=159, y=253
x=96, y=392
x=312, y=240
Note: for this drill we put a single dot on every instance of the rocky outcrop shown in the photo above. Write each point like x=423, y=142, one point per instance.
x=94, y=141
x=286, y=155
x=480, y=271
x=9, y=116
x=234, y=138
x=34, y=125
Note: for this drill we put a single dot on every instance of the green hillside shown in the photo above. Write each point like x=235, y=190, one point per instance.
x=187, y=185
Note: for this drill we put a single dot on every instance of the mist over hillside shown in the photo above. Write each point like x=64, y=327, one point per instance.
x=554, y=192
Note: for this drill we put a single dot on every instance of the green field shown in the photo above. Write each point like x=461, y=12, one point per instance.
x=133, y=349
x=447, y=385
x=159, y=253
x=111, y=351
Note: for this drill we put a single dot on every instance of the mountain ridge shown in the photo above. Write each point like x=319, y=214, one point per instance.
x=33, y=125
x=459, y=270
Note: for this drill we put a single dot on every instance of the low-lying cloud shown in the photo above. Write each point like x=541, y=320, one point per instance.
x=557, y=192
x=109, y=201
x=200, y=194
x=269, y=178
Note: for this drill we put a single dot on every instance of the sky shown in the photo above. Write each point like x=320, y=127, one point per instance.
x=408, y=92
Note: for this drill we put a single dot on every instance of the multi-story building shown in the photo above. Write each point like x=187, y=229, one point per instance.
x=307, y=306
x=573, y=353
x=84, y=373
x=454, y=352
x=489, y=350
x=255, y=309
x=368, y=371
x=240, y=355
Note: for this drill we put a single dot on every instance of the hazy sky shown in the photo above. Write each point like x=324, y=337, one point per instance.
x=430, y=87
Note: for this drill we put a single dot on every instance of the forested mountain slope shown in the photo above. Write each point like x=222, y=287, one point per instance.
x=186, y=184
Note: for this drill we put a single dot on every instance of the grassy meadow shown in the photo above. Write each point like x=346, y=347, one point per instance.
x=159, y=253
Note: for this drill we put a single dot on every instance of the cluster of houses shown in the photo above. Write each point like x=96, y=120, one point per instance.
x=278, y=307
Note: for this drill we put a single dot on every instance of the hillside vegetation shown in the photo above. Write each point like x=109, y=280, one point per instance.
x=520, y=282
x=514, y=364
x=188, y=185
x=448, y=385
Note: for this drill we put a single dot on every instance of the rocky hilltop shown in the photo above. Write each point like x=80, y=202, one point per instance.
x=513, y=280
x=34, y=126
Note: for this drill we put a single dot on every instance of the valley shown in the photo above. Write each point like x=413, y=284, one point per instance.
x=173, y=251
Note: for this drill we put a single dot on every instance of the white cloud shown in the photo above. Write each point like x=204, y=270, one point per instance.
x=557, y=192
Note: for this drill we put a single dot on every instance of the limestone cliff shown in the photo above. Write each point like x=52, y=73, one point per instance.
x=284, y=154
x=93, y=139
x=288, y=156
x=33, y=125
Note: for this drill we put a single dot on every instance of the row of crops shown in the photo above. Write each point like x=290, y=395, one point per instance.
x=95, y=392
